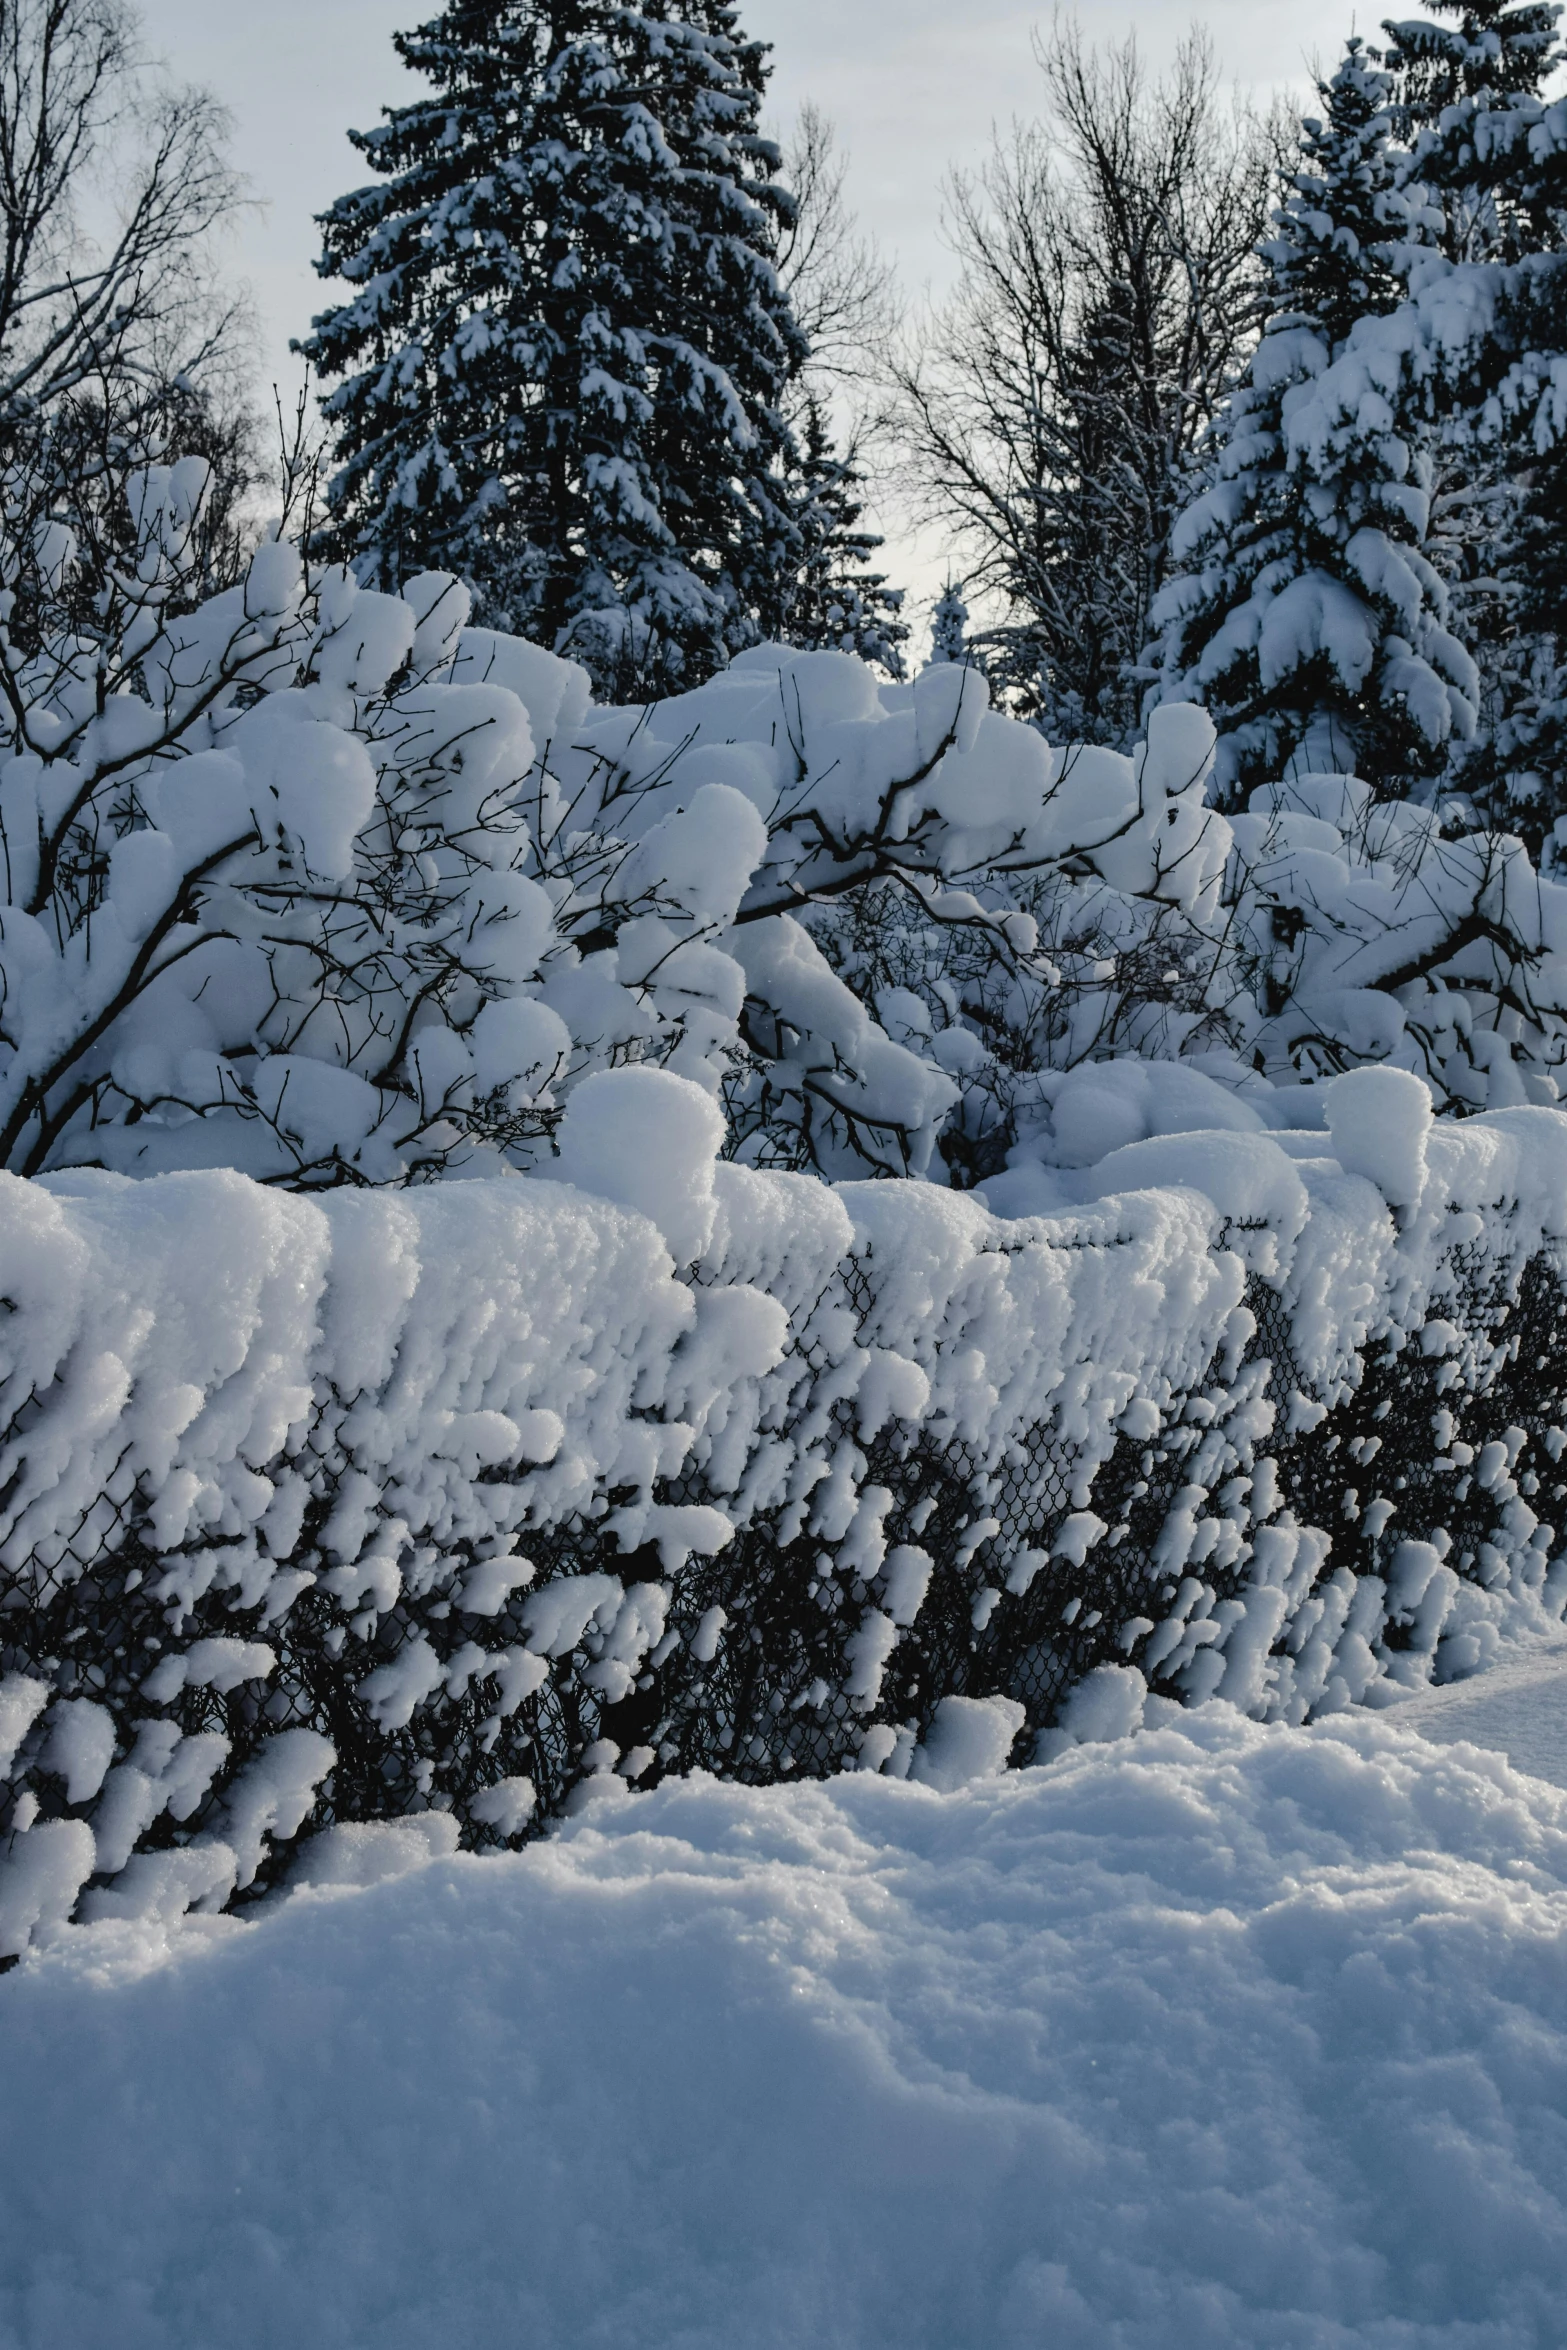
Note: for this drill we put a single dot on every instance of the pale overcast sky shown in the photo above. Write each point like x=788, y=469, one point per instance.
x=913, y=87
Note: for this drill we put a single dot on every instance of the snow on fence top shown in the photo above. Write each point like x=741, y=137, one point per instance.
x=439, y=1499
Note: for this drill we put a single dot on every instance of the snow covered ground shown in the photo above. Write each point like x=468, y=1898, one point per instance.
x=1519, y=1707
x=1221, y=2035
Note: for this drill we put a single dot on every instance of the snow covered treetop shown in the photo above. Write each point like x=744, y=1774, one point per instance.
x=562, y=362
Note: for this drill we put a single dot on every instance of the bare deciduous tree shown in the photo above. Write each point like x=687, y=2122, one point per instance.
x=844, y=296
x=116, y=348
x=84, y=124
x=840, y=283
x=1106, y=301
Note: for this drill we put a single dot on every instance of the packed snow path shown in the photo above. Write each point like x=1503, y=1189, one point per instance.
x=1520, y=1708
x=1222, y=2036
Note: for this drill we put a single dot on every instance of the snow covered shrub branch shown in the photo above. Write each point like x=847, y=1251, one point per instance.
x=953, y=817
x=249, y=855
x=944, y=917
x=1412, y=941
x=330, y=886
x=288, y=887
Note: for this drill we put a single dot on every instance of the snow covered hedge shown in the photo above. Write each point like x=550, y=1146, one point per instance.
x=435, y=1501
x=329, y=1492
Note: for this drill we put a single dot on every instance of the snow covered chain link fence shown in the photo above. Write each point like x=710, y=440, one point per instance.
x=430, y=1505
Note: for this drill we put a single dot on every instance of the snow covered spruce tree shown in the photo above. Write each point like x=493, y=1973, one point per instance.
x=949, y=626
x=1450, y=80
x=1470, y=362
x=834, y=601
x=1481, y=138
x=564, y=357
x=1305, y=611
x=1519, y=773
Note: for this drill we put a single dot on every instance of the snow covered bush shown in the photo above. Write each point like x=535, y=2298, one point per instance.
x=945, y=918
x=327, y=885
x=250, y=858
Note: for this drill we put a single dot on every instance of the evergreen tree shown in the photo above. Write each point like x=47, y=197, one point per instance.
x=566, y=354
x=1305, y=610
x=949, y=628
x=1469, y=100
x=833, y=599
x=1519, y=775
x=1463, y=95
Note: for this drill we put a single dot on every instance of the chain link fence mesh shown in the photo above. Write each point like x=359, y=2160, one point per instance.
x=771, y=1698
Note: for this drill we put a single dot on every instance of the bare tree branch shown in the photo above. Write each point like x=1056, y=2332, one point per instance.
x=80, y=117
x=1107, y=299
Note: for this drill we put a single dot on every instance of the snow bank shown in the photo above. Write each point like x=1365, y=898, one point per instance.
x=1217, y=2038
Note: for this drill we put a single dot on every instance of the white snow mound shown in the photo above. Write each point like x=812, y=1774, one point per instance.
x=1219, y=2037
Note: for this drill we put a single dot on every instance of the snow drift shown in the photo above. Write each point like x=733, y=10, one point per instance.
x=1219, y=2038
